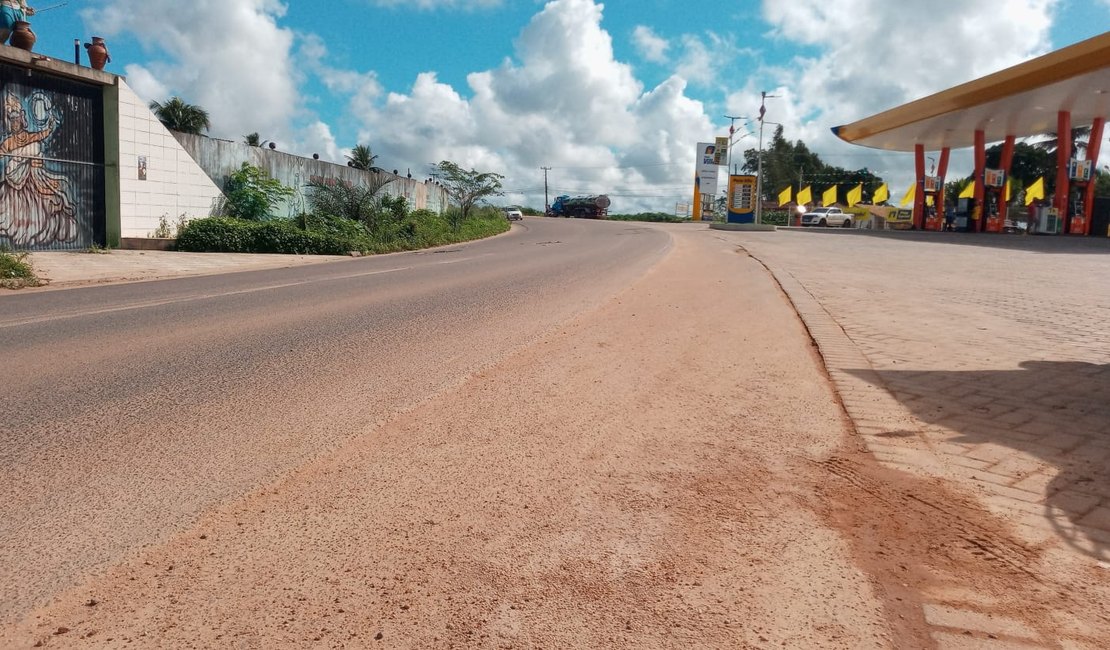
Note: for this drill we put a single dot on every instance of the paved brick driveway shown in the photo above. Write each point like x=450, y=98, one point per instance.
x=982, y=360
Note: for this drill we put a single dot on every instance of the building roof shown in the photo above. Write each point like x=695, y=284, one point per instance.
x=1021, y=101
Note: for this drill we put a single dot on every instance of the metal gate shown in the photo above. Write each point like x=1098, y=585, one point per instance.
x=51, y=162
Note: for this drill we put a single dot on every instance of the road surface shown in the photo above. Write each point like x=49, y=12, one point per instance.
x=580, y=434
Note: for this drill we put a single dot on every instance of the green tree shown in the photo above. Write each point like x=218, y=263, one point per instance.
x=1030, y=163
x=466, y=187
x=354, y=202
x=361, y=157
x=792, y=164
x=1102, y=184
x=178, y=115
x=251, y=194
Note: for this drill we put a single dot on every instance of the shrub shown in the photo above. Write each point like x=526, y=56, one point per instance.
x=16, y=271
x=776, y=217
x=251, y=194
x=332, y=235
x=657, y=217
x=223, y=235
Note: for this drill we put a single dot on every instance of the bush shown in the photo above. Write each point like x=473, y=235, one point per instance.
x=656, y=217
x=332, y=235
x=776, y=217
x=15, y=271
x=251, y=194
x=223, y=235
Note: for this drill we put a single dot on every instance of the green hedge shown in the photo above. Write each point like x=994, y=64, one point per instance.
x=327, y=235
x=656, y=217
x=228, y=235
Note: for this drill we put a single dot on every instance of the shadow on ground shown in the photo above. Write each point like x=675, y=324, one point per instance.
x=1057, y=413
x=1059, y=244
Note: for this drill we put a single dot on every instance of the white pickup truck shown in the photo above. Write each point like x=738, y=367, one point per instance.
x=832, y=216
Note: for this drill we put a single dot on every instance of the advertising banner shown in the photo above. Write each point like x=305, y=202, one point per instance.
x=707, y=168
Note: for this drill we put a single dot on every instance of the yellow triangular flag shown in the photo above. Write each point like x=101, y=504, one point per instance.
x=1035, y=191
x=784, y=196
x=968, y=192
x=829, y=197
x=855, y=195
x=908, y=198
x=881, y=195
x=805, y=197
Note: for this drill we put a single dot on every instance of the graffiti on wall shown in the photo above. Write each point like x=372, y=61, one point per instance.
x=37, y=200
x=51, y=163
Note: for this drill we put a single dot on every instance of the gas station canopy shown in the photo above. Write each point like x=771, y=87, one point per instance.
x=1021, y=101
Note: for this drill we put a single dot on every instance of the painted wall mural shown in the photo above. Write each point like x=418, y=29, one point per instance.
x=51, y=163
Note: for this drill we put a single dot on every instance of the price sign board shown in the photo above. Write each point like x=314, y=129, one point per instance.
x=741, y=199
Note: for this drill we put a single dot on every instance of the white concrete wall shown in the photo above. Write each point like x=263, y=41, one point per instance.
x=175, y=185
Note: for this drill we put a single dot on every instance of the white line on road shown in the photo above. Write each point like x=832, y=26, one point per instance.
x=169, y=301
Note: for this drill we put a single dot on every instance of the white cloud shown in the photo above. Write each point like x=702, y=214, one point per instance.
x=213, y=63
x=565, y=102
x=650, y=45
x=875, y=54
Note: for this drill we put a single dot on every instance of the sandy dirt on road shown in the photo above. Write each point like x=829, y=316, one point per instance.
x=671, y=470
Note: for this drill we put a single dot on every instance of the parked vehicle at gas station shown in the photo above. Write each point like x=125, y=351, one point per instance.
x=830, y=216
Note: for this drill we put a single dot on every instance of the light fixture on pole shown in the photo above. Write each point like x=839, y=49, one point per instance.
x=731, y=131
x=759, y=164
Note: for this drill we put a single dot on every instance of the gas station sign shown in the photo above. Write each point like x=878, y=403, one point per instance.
x=741, y=199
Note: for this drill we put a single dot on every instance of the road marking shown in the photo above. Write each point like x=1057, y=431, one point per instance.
x=193, y=298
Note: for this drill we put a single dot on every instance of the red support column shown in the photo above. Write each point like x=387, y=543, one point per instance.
x=919, y=188
x=1063, y=155
x=1006, y=163
x=942, y=172
x=980, y=166
x=1094, y=147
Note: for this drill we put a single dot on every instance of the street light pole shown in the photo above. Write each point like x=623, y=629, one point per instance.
x=759, y=164
x=731, y=131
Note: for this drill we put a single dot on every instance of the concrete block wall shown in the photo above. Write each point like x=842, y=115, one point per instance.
x=175, y=185
x=220, y=158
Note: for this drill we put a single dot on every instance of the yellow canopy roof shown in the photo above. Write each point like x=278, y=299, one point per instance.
x=1021, y=101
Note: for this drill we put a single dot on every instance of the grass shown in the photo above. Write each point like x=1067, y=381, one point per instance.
x=16, y=271
x=656, y=217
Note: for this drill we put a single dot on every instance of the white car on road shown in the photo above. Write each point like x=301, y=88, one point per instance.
x=832, y=216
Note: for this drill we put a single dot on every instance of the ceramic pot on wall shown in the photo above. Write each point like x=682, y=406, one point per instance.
x=22, y=36
x=98, y=53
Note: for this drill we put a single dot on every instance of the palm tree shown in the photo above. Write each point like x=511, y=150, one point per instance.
x=1079, y=136
x=254, y=140
x=362, y=158
x=177, y=115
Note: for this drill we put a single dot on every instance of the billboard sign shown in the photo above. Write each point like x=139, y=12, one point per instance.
x=707, y=168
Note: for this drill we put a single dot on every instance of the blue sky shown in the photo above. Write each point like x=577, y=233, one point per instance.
x=614, y=98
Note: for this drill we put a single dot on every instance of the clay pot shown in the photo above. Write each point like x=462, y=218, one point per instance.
x=22, y=36
x=98, y=53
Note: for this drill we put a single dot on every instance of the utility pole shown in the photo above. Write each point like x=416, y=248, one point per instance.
x=546, y=204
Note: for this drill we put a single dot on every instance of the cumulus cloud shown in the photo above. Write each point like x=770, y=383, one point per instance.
x=565, y=102
x=650, y=45
x=563, y=99
x=246, y=50
x=873, y=54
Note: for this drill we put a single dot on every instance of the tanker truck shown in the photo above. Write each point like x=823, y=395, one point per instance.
x=583, y=207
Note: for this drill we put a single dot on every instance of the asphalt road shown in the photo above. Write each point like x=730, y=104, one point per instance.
x=130, y=410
